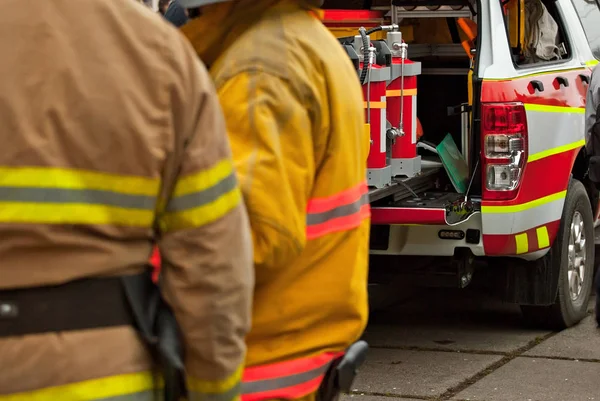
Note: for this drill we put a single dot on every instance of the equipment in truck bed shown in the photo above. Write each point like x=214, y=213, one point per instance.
x=406, y=187
x=454, y=163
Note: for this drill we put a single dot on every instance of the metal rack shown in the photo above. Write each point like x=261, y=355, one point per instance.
x=429, y=9
x=438, y=50
x=424, y=12
x=401, y=9
x=445, y=71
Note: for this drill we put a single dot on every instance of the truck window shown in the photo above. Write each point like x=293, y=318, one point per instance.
x=536, y=33
x=589, y=15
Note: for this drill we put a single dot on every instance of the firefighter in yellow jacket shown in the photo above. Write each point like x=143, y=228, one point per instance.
x=112, y=133
x=294, y=113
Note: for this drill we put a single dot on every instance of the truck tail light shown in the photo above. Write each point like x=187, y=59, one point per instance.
x=504, y=150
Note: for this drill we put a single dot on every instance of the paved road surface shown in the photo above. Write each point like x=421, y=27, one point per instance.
x=461, y=345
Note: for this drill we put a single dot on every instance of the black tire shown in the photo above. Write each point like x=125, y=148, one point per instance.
x=566, y=312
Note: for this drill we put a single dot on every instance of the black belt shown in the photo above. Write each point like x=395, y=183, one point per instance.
x=77, y=305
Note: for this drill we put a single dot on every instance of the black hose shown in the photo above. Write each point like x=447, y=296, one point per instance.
x=373, y=30
x=366, y=45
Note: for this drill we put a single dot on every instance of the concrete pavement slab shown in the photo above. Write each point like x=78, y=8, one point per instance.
x=454, y=337
x=358, y=397
x=417, y=373
x=529, y=379
x=579, y=342
x=451, y=320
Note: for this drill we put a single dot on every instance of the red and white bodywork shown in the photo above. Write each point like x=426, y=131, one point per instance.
x=547, y=127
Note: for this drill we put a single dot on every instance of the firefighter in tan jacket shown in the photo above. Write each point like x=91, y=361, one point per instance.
x=112, y=139
x=294, y=113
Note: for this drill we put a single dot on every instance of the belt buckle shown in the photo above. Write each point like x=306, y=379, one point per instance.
x=8, y=310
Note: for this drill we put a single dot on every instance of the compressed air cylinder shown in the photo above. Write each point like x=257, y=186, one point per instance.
x=375, y=113
x=402, y=98
x=406, y=146
x=374, y=93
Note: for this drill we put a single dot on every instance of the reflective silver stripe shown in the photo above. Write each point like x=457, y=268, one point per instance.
x=149, y=395
x=200, y=198
x=226, y=396
x=260, y=386
x=80, y=196
x=340, y=211
x=550, y=130
x=516, y=222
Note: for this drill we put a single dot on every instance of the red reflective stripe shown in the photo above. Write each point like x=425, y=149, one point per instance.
x=155, y=262
x=287, y=368
x=320, y=205
x=292, y=392
x=339, y=223
x=257, y=376
x=342, y=211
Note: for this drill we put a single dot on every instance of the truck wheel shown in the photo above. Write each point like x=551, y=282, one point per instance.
x=573, y=251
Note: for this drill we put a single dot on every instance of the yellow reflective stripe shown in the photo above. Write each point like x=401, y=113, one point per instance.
x=591, y=63
x=202, y=198
x=522, y=243
x=542, y=237
x=70, y=196
x=120, y=388
x=398, y=92
x=202, y=215
x=553, y=109
x=216, y=386
x=42, y=177
x=375, y=105
x=555, y=151
x=54, y=213
x=524, y=206
x=204, y=179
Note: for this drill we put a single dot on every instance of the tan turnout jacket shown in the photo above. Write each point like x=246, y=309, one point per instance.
x=294, y=111
x=97, y=100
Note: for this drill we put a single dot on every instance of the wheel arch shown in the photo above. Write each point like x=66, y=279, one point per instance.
x=533, y=282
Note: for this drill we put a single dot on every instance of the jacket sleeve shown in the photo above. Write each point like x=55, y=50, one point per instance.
x=206, y=246
x=271, y=138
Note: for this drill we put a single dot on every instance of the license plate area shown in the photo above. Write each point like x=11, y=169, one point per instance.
x=380, y=237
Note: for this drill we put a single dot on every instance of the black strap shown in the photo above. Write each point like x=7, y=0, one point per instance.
x=156, y=324
x=594, y=144
x=341, y=373
x=453, y=28
x=77, y=305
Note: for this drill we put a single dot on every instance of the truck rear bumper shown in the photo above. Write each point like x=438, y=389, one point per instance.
x=426, y=237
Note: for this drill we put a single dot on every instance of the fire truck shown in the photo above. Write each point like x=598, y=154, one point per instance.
x=475, y=113
x=497, y=183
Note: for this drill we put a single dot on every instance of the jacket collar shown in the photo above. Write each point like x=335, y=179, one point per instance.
x=221, y=24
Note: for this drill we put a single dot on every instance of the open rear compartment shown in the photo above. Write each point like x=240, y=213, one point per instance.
x=435, y=39
x=424, y=217
x=440, y=38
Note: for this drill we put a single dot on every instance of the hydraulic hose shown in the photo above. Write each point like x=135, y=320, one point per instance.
x=373, y=30
x=366, y=45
